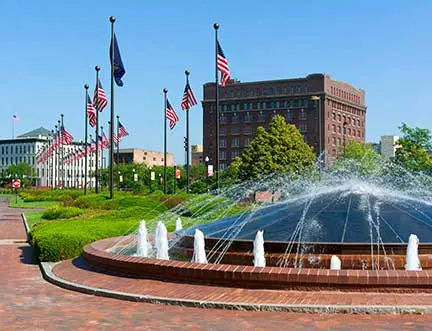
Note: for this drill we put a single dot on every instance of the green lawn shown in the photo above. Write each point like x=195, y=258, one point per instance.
x=17, y=201
x=33, y=217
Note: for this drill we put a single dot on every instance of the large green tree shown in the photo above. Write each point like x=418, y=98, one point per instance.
x=280, y=149
x=413, y=148
x=367, y=160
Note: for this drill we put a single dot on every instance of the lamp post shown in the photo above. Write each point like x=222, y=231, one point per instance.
x=344, y=136
x=317, y=98
x=206, y=160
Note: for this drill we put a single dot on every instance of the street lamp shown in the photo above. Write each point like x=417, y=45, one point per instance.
x=344, y=135
x=206, y=160
x=317, y=98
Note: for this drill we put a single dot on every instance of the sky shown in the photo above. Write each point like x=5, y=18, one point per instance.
x=49, y=50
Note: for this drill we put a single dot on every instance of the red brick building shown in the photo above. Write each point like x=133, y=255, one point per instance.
x=314, y=104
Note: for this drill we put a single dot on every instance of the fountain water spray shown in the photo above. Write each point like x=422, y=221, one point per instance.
x=335, y=263
x=258, y=251
x=142, y=243
x=412, y=258
x=161, y=242
x=179, y=225
x=199, y=255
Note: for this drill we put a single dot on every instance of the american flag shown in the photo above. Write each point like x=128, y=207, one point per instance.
x=105, y=140
x=121, y=131
x=91, y=113
x=188, y=100
x=65, y=137
x=116, y=139
x=222, y=65
x=171, y=115
x=99, y=99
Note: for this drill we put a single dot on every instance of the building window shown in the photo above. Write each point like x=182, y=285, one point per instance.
x=264, y=105
x=154, y=159
x=264, y=91
x=233, y=107
x=222, y=142
x=222, y=119
x=300, y=102
x=339, y=129
x=289, y=116
x=306, y=103
x=251, y=92
x=258, y=105
x=277, y=104
x=235, y=131
x=271, y=91
x=222, y=165
x=235, y=118
x=222, y=155
x=234, y=154
x=292, y=89
x=222, y=131
x=235, y=142
x=303, y=115
x=225, y=108
x=247, y=130
x=278, y=90
x=334, y=140
x=339, y=117
x=16, y=149
x=238, y=106
x=303, y=127
x=248, y=117
x=299, y=89
x=349, y=131
x=247, y=141
x=291, y=103
x=261, y=117
x=334, y=128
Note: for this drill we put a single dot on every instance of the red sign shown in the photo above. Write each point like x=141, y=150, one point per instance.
x=177, y=174
x=16, y=183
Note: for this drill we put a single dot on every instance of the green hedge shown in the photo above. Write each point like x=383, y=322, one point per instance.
x=59, y=240
x=58, y=212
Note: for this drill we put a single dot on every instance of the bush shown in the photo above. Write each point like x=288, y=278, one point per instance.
x=59, y=240
x=57, y=212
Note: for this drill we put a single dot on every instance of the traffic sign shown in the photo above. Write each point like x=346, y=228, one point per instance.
x=16, y=183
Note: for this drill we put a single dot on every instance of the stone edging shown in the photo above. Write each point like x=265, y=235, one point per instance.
x=26, y=226
x=48, y=275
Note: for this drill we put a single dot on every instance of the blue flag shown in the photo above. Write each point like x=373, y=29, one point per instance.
x=117, y=63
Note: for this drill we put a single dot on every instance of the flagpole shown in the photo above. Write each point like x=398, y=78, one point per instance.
x=62, y=155
x=52, y=158
x=56, y=159
x=86, y=87
x=118, y=153
x=102, y=147
x=165, y=91
x=111, y=158
x=13, y=128
x=91, y=166
x=187, y=136
x=216, y=27
x=97, y=68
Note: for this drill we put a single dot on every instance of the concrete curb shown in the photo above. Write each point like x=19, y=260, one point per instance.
x=26, y=226
x=48, y=275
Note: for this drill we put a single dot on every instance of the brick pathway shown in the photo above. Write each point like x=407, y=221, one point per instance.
x=79, y=272
x=27, y=302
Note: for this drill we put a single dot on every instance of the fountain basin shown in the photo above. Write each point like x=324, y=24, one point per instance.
x=97, y=254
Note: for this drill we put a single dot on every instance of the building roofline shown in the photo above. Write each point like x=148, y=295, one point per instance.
x=310, y=76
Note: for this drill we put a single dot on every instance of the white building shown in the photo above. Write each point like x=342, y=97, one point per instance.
x=389, y=145
x=53, y=172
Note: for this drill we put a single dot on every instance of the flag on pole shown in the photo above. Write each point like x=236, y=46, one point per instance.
x=222, y=65
x=188, y=100
x=91, y=113
x=121, y=131
x=99, y=99
x=105, y=140
x=116, y=62
x=171, y=115
x=65, y=137
x=116, y=139
x=15, y=117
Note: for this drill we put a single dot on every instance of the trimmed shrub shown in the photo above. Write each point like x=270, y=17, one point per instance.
x=58, y=212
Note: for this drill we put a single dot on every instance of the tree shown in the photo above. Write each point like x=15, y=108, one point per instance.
x=367, y=160
x=22, y=171
x=413, y=148
x=280, y=149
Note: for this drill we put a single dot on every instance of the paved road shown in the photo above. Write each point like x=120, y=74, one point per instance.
x=27, y=302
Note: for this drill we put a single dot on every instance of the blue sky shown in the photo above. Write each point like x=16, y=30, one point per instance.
x=49, y=50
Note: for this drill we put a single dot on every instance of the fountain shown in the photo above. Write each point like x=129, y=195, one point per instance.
x=258, y=251
x=179, y=225
x=335, y=263
x=161, y=242
x=412, y=258
x=338, y=217
x=142, y=244
x=199, y=255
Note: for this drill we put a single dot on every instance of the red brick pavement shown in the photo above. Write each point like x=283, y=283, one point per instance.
x=79, y=272
x=27, y=302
